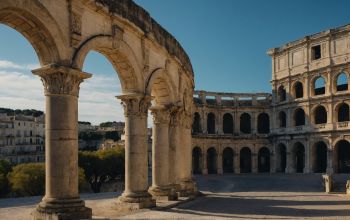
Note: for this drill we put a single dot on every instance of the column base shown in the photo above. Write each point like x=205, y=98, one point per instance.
x=61, y=209
x=135, y=201
x=188, y=188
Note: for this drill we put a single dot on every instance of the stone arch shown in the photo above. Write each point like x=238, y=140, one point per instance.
x=212, y=160
x=245, y=123
x=281, y=157
x=43, y=35
x=211, y=123
x=298, y=90
x=159, y=86
x=343, y=112
x=227, y=160
x=245, y=157
x=340, y=81
x=319, y=157
x=227, y=123
x=281, y=93
x=263, y=123
x=342, y=156
x=299, y=117
x=123, y=60
x=319, y=113
x=197, y=160
x=196, y=126
x=318, y=85
x=298, y=157
x=282, y=119
x=264, y=160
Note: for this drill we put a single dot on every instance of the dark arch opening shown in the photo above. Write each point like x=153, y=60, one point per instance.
x=281, y=93
x=343, y=154
x=320, y=157
x=298, y=90
x=282, y=119
x=197, y=160
x=282, y=158
x=319, y=86
x=299, y=157
x=343, y=112
x=227, y=123
x=196, y=127
x=245, y=123
x=264, y=160
x=263, y=123
x=212, y=161
x=342, y=82
x=299, y=117
x=227, y=160
x=211, y=123
x=245, y=160
x=320, y=115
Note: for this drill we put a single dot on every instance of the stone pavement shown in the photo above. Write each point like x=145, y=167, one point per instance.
x=270, y=196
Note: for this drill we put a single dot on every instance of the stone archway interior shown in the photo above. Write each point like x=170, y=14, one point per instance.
x=212, y=161
x=320, y=160
x=245, y=160
x=197, y=160
x=282, y=154
x=343, y=154
x=227, y=160
x=264, y=160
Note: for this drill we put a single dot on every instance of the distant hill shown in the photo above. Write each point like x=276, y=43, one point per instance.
x=26, y=112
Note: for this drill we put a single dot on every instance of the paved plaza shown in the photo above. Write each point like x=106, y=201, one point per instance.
x=253, y=196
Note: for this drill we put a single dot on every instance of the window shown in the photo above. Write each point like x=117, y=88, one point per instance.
x=263, y=123
x=320, y=115
x=281, y=94
x=343, y=113
x=299, y=117
x=298, y=90
x=319, y=86
x=282, y=119
x=342, y=82
x=245, y=123
x=211, y=123
x=316, y=52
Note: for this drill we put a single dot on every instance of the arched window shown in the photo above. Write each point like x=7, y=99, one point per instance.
x=281, y=158
x=227, y=123
x=320, y=115
x=298, y=90
x=319, y=86
x=227, y=160
x=343, y=156
x=245, y=157
x=319, y=154
x=264, y=160
x=282, y=119
x=211, y=123
x=196, y=160
x=299, y=117
x=196, y=127
x=343, y=112
x=342, y=82
x=245, y=123
x=212, y=160
x=281, y=93
x=298, y=157
x=263, y=123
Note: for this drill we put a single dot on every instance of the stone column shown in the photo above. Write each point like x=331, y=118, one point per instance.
x=219, y=163
x=308, y=159
x=236, y=162
x=330, y=169
x=185, y=160
x=61, y=200
x=204, y=166
x=254, y=163
x=160, y=152
x=135, y=194
x=290, y=168
x=174, y=142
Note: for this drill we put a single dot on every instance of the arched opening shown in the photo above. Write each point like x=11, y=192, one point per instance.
x=319, y=154
x=263, y=123
x=299, y=117
x=342, y=82
x=245, y=123
x=196, y=160
x=299, y=157
x=298, y=90
x=320, y=115
x=282, y=119
x=343, y=156
x=264, y=160
x=343, y=112
x=227, y=160
x=281, y=93
x=196, y=127
x=245, y=157
x=211, y=123
x=319, y=86
x=281, y=158
x=227, y=123
x=212, y=160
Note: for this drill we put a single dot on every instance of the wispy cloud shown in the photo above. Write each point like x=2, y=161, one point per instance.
x=5, y=64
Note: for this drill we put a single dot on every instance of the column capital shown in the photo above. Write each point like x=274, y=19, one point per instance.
x=61, y=80
x=136, y=104
x=161, y=114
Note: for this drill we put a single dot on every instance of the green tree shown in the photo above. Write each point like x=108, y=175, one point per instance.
x=102, y=166
x=112, y=135
x=5, y=168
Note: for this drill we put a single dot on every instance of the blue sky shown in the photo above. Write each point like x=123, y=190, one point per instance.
x=226, y=40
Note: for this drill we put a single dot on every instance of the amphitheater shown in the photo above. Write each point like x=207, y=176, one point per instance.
x=301, y=127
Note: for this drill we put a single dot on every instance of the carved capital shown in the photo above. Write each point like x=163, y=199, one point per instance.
x=175, y=115
x=135, y=104
x=60, y=80
x=161, y=115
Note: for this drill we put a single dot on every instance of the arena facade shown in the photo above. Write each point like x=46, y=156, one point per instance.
x=301, y=127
